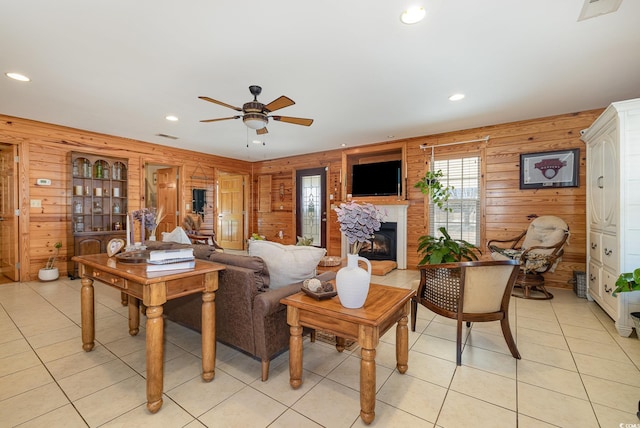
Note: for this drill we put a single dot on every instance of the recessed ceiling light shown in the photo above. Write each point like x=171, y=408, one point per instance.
x=413, y=15
x=343, y=145
x=456, y=97
x=257, y=142
x=18, y=76
x=171, y=118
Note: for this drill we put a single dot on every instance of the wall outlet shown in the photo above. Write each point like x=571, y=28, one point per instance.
x=36, y=203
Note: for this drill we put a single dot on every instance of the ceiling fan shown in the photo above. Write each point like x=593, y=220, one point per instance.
x=256, y=115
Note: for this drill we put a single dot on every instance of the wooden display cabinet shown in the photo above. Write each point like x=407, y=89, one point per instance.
x=99, y=203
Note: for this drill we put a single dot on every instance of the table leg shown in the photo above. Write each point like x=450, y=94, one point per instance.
x=87, y=314
x=368, y=385
x=295, y=347
x=155, y=349
x=208, y=336
x=123, y=298
x=402, y=345
x=340, y=343
x=134, y=315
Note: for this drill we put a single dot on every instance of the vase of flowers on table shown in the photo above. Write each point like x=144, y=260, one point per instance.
x=149, y=219
x=358, y=222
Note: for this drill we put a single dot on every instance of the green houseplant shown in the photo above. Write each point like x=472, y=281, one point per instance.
x=431, y=185
x=444, y=249
x=626, y=282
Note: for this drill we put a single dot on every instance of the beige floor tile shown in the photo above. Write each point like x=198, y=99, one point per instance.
x=59, y=350
x=278, y=387
x=242, y=367
x=31, y=404
x=435, y=346
x=612, y=394
x=330, y=404
x=547, y=326
x=525, y=421
x=552, y=378
x=16, y=346
x=80, y=361
x=412, y=395
x=495, y=389
x=127, y=344
x=321, y=359
x=389, y=416
x=246, y=408
x=608, y=417
x=18, y=362
x=138, y=359
x=431, y=369
x=173, y=416
x=94, y=379
x=197, y=396
x=541, y=338
x=488, y=341
x=595, y=349
x=23, y=381
x=292, y=419
x=54, y=336
x=494, y=362
x=547, y=355
x=625, y=373
x=476, y=413
x=554, y=408
x=445, y=331
x=111, y=402
x=593, y=335
x=9, y=333
x=65, y=416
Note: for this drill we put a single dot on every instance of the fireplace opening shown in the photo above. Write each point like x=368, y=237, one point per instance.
x=383, y=245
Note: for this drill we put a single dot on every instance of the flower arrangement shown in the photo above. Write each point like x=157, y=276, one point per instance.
x=358, y=222
x=149, y=219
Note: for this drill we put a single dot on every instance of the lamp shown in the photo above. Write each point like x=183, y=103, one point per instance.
x=254, y=117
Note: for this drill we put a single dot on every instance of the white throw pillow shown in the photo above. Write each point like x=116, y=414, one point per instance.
x=287, y=263
x=177, y=235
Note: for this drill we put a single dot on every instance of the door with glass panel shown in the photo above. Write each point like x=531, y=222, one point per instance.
x=311, y=207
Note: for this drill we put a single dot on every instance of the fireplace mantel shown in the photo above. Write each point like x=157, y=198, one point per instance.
x=396, y=212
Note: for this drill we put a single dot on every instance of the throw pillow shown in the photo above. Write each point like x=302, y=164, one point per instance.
x=287, y=264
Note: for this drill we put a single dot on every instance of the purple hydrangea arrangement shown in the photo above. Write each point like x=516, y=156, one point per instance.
x=358, y=222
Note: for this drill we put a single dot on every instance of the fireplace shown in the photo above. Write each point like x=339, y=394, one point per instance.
x=383, y=245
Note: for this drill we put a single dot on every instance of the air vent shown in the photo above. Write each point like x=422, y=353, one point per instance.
x=593, y=8
x=171, y=137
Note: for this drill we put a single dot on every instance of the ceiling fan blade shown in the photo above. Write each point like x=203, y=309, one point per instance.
x=279, y=103
x=294, y=120
x=211, y=100
x=261, y=131
x=222, y=118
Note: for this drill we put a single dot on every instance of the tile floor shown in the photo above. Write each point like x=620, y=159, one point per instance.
x=576, y=371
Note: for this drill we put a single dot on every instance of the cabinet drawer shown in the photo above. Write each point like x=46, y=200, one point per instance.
x=610, y=256
x=594, y=280
x=106, y=278
x=595, y=246
x=608, y=285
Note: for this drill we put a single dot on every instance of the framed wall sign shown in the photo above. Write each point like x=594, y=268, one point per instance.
x=549, y=169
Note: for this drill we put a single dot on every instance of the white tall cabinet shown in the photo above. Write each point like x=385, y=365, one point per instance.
x=613, y=208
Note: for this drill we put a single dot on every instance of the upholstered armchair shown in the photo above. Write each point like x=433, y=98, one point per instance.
x=468, y=292
x=538, y=249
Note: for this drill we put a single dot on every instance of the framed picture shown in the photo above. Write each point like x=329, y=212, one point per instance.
x=549, y=169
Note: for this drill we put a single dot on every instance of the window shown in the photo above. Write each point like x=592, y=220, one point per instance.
x=461, y=216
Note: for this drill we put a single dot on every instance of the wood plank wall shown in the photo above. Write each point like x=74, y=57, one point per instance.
x=45, y=152
x=506, y=209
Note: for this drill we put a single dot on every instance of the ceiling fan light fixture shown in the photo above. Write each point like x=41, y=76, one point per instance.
x=413, y=15
x=255, y=120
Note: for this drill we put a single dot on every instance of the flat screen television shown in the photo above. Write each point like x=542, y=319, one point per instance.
x=377, y=179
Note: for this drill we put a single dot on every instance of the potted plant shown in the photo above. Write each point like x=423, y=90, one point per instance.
x=627, y=282
x=431, y=185
x=50, y=271
x=444, y=249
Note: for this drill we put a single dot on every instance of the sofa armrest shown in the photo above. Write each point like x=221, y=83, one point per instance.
x=268, y=302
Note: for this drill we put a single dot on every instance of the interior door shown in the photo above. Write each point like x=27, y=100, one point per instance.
x=230, y=232
x=311, y=207
x=8, y=218
x=168, y=199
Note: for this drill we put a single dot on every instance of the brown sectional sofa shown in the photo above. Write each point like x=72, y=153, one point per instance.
x=249, y=315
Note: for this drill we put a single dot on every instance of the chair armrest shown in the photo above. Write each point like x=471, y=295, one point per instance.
x=268, y=302
x=514, y=241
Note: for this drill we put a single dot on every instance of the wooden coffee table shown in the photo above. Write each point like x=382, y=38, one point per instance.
x=384, y=307
x=153, y=289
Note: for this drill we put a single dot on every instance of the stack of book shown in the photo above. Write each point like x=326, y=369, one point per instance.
x=163, y=260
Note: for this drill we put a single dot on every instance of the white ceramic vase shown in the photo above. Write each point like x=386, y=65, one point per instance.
x=352, y=282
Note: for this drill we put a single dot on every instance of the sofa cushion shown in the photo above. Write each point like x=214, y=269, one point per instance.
x=287, y=263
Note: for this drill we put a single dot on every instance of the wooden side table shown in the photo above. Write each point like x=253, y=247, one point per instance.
x=384, y=307
x=153, y=289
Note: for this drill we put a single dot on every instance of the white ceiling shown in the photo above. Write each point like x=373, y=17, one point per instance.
x=120, y=66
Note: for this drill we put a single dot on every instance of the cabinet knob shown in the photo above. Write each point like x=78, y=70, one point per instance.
x=594, y=245
x=608, y=252
x=607, y=289
x=600, y=181
x=592, y=277
x=96, y=274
